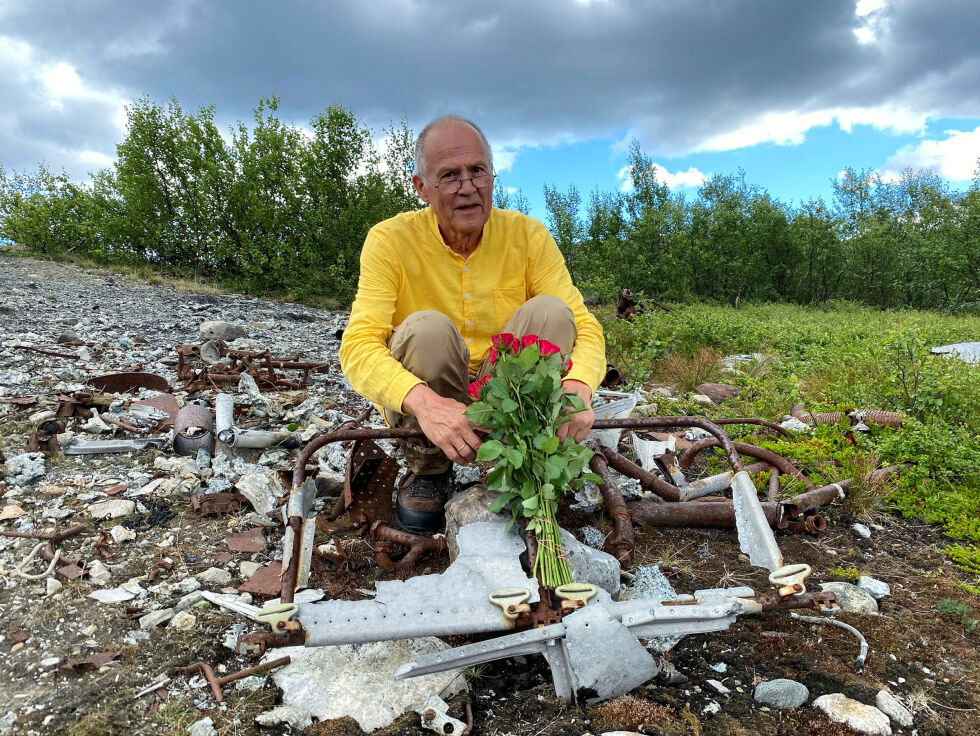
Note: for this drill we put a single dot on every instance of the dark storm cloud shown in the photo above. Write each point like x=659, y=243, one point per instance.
x=678, y=74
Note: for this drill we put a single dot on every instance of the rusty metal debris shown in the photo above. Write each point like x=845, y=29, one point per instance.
x=260, y=364
x=266, y=582
x=45, y=439
x=250, y=541
x=621, y=542
x=384, y=536
x=854, y=416
x=90, y=663
x=120, y=383
x=194, y=430
x=214, y=504
x=216, y=683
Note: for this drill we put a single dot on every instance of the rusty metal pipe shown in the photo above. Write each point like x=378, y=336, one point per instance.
x=760, y=453
x=290, y=574
x=621, y=542
x=650, y=481
x=825, y=494
x=193, y=415
x=340, y=435
x=417, y=547
x=772, y=489
x=758, y=422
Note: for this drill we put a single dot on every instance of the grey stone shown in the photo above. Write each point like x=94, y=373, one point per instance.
x=877, y=588
x=211, y=352
x=358, y=680
x=852, y=598
x=287, y=715
x=861, y=530
x=669, y=674
x=189, y=600
x=262, y=488
x=718, y=392
x=156, y=618
x=111, y=595
x=219, y=330
x=121, y=534
x=248, y=568
x=472, y=505
x=702, y=399
x=25, y=468
x=183, y=621
x=856, y=715
x=649, y=583
x=889, y=705
x=592, y=536
x=114, y=508
x=782, y=693
x=215, y=576
x=719, y=687
x=203, y=727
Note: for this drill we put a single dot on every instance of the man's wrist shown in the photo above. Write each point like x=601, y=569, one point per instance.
x=582, y=389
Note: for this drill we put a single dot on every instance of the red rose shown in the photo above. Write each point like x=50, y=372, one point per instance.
x=528, y=340
x=474, y=390
x=493, y=356
x=548, y=348
x=504, y=341
x=568, y=365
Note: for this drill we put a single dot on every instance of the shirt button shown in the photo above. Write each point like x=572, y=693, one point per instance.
x=466, y=268
x=469, y=339
x=469, y=321
x=466, y=296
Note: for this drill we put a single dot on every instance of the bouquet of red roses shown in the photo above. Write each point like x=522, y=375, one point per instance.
x=522, y=404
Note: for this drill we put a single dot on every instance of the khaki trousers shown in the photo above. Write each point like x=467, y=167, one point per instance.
x=428, y=344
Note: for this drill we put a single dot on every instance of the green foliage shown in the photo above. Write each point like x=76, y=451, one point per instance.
x=959, y=612
x=523, y=404
x=845, y=573
x=272, y=208
x=834, y=358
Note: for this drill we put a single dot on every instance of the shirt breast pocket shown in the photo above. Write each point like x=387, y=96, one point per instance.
x=506, y=301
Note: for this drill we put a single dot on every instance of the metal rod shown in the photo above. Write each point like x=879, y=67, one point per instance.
x=621, y=542
x=759, y=453
x=862, y=656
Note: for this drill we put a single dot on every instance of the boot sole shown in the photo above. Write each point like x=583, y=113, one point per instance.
x=418, y=522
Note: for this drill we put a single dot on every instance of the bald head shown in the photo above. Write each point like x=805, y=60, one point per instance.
x=432, y=129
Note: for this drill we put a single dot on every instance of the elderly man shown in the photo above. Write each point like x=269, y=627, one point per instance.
x=435, y=286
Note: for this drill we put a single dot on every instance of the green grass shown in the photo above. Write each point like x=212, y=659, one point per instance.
x=839, y=357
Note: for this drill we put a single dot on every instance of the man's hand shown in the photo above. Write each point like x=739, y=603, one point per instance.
x=581, y=422
x=442, y=420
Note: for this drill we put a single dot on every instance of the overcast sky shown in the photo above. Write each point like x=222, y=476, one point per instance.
x=790, y=91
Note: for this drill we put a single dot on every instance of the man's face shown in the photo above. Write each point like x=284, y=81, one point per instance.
x=455, y=151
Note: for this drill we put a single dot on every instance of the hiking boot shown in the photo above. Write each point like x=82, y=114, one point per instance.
x=421, y=498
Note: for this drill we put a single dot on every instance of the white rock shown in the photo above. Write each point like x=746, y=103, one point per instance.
x=702, y=399
x=121, y=534
x=114, y=508
x=53, y=586
x=188, y=585
x=889, y=705
x=852, y=598
x=290, y=715
x=189, y=600
x=876, y=588
x=861, y=530
x=793, y=424
x=156, y=618
x=262, y=489
x=203, y=727
x=183, y=621
x=858, y=716
x=111, y=595
x=781, y=693
x=248, y=568
x=25, y=468
x=98, y=573
x=214, y=575
x=711, y=708
x=219, y=330
x=719, y=687
x=334, y=681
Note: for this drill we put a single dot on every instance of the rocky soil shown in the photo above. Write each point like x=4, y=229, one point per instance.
x=82, y=647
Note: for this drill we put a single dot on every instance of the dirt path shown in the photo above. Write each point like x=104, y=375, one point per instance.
x=161, y=549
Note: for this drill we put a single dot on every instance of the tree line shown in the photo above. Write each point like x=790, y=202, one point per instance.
x=276, y=208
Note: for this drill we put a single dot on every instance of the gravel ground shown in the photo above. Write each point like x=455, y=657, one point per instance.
x=77, y=649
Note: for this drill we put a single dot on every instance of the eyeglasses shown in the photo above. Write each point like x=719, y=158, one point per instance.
x=480, y=181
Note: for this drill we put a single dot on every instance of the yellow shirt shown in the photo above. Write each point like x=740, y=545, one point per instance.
x=406, y=267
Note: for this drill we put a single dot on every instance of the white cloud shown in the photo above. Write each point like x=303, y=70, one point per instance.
x=790, y=128
x=510, y=190
x=62, y=81
x=954, y=156
x=503, y=157
x=867, y=7
x=676, y=180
